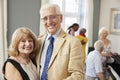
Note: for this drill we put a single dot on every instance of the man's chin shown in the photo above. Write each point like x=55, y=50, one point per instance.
x=51, y=31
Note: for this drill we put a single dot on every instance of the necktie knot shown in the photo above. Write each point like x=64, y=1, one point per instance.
x=51, y=38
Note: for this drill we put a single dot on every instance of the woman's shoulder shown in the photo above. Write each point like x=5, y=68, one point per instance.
x=10, y=71
x=106, y=41
x=9, y=65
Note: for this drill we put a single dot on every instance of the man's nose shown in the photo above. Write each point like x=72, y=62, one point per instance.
x=49, y=20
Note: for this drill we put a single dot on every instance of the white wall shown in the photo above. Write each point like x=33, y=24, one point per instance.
x=106, y=6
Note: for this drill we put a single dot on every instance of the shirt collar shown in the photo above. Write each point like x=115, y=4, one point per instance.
x=98, y=53
x=55, y=35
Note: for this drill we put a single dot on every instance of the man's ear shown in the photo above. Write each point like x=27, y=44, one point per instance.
x=61, y=18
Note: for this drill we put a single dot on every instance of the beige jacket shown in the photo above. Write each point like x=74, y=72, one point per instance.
x=67, y=58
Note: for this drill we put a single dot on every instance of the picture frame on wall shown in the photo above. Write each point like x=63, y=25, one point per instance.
x=115, y=21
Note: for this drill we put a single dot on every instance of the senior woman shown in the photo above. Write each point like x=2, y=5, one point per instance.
x=107, y=54
x=19, y=65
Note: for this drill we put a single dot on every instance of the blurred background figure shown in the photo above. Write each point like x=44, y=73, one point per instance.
x=103, y=33
x=107, y=54
x=94, y=68
x=72, y=29
x=83, y=39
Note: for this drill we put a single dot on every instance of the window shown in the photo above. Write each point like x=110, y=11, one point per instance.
x=73, y=11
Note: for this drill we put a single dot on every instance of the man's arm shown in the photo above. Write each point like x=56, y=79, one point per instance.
x=76, y=65
x=101, y=76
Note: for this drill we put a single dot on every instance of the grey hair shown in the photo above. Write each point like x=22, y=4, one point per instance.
x=98, y=45
x=103, y=29
x=50, y=6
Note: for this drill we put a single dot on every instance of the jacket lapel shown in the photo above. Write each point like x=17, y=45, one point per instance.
x=57, y=46
x=41, y=41
x=42, y=45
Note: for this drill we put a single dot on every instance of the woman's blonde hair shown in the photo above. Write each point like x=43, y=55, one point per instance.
x=17, y=36
x=102, y=30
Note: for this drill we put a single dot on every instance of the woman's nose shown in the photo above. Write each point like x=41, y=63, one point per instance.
x=27, y=43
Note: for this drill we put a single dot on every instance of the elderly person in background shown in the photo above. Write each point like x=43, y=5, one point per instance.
x=94, y=67
x=103, y=34
x=83, y=39
x=64, y=59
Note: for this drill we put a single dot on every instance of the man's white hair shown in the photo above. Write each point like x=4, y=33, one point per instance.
x=46, y=6
x=98, y=45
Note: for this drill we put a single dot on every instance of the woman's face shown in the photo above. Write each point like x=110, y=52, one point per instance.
x=75, y=28
x=104, y=34
x=25, y=45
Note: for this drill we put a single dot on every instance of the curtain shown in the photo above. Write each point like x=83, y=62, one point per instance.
x=3, y=30
x=89, y=21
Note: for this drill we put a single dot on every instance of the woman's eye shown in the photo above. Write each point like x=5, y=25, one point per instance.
x=30, y=40
x=23, y=40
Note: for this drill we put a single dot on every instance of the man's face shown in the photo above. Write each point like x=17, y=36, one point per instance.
x=51, y=20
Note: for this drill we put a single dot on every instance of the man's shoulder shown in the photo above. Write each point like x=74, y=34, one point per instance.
x=72, y=39
x=41, y=36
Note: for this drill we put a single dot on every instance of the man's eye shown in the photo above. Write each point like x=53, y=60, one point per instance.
x=52, y=17
x=45, y=18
